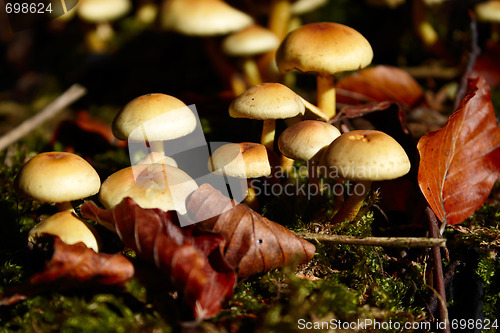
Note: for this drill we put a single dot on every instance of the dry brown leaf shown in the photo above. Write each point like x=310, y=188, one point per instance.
x=254, y=243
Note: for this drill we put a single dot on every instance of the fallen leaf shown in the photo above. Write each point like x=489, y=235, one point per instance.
x=73, y=266
x=254, y=243
x=460, y=163
x=192, y=260
x=378, y=84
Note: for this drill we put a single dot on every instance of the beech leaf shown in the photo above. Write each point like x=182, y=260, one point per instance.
x=254, y=243
x=192, y=260
x=73, y=266
x=379, y=84
x=460, y=163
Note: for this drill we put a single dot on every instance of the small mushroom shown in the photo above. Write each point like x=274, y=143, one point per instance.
x=68, y=227
x=243, y=160
x=57, y=177
x=306, y=141
x=325, y=48
x=150, y=185
x=363, y=156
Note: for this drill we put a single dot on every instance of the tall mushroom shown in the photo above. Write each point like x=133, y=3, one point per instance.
x=248, y=43
x=325, y=48
x=153, y=118
x=208, y=19
x=363, y=156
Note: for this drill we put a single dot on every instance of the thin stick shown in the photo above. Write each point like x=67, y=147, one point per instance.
x=436, y=255
x=375, y=241
x=74, y=92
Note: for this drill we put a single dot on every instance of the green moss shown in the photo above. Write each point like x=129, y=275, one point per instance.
x=83, y=312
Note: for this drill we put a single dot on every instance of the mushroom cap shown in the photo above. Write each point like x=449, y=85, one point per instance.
x=68, y=227
x=103, y=10
x=488, y=11
x=267, y=101
x=145, y=183
x=203, y=17
x=365, y=155
x=302, y=7
x=250, y=41
x=156, y=116
x=57, y=177
x=241, y=160
x=324, y=47
x=306, y=140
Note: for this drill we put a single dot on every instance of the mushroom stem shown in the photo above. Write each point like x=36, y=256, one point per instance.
x=157, y=146
x=64, y=206
x=326, y=94
x=279, y=17
x=268, y=131
x=251, y=71
x=353, y=203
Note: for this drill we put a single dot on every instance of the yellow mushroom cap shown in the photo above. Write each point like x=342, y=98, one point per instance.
x=324, y=47
x=267, y=101
x=365, y=155
x=241, y=160
x=154, y=117
x=56, y=177
x=103, y=10
x=488, y=11
x=145, y=183
x=306, y=140
x=203, y=17
x=250, y=41
x=68, y=227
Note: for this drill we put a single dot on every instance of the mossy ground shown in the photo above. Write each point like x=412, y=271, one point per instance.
x=354, y=282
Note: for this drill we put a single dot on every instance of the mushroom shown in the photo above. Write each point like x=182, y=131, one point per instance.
x=489, y=11
x=150, y=186
x=306, y=141
x=325, y=48
x=101, y=12
x=249, y=42
x=208, y=18
x=243, y=160
x=202, y=17
x=57, y=177
x=363, y=156
x=152, y=118
x=68, y=227
x=268, y=102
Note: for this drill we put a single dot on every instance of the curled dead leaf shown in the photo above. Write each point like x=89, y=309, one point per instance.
x=73, y=266
x=254, y=244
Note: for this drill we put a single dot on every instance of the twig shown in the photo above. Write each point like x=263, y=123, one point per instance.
x=375, y=241
x=74, y=92
x=436, y=255
x=471, y=62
